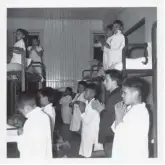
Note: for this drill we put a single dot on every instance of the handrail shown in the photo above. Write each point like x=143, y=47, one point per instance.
x=43, y=67
x=135, y=27
x=127, y=51
x=88, y=70
x=138, y=46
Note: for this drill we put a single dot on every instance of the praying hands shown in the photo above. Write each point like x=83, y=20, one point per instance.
x=96, y=105
x=120, y=109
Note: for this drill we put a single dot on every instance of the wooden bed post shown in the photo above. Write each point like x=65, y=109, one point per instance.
x=124, y=55
x=154, y=80
x=23, y=71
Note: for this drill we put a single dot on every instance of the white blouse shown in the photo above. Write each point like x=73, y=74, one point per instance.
x=17, y=57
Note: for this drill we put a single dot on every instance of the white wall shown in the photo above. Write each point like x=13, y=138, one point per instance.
x=67, y=46
x=131, y=16
x=137, y=37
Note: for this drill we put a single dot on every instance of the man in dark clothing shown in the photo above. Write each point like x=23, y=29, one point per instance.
x=112, y=83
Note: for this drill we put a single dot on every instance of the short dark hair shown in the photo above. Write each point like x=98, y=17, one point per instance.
x=120, y=23
x=82, y=83
x=23, y=31
x=69, y=89
x=94, y=88
x=139, y=84
x=36, y=38
x=109, y=27
x=115, y=75
x=48, y=92
x=26, y=99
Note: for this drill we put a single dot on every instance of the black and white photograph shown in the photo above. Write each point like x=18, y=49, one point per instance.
x=81, y=83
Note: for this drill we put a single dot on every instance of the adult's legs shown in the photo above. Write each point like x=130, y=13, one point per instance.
x=108, y=149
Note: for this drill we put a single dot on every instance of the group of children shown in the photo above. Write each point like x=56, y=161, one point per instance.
x=32, y=54
x=85, y=114
x=119, y=128
x=113, y=128
x=112, y=46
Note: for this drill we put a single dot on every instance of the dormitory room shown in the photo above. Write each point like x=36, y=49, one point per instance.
x=82, y=83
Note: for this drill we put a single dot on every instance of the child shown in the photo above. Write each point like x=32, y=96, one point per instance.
x=114, y=46
x=131, y=125
x=76, y=117
x=36, y=52
x=35, y=141
x=90, y=125
x=46, y=101
x=66, y=110
x=20, y=46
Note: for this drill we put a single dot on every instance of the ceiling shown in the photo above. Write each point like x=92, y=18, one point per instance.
x=63, y=13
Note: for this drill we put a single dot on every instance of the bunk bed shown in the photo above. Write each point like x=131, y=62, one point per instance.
x=148, y=68
x=20, y=83
x=24, y=76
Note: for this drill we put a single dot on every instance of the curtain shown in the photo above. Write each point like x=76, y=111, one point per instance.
x=67, y=49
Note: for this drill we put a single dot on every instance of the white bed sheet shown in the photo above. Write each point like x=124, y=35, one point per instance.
x=12, y=135
x=135, y=64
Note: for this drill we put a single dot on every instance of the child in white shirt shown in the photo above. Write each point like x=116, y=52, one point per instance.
x=90, y=125
x=19, y=47
x=35, y=53
x=46, y=101
x=114, y=46
x=66, y=110
x=131, y=125
x=76, y=117
x=34, y=142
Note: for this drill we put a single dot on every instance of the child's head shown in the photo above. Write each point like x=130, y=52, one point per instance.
x=91, y=91
x=81, y=86
x=113, y=79
x=117, y=25
x=21, y=34
x=109, y=30
x=134, y=90
x=68, y=91
x=46, y=96
x=26, y=103
x=35, y=41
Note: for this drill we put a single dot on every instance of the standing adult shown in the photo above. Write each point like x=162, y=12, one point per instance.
x=112, y=83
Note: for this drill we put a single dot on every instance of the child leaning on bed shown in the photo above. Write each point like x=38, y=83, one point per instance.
x=20, y=46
